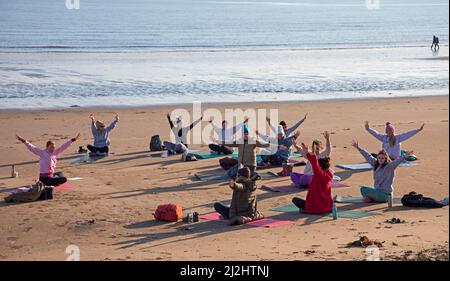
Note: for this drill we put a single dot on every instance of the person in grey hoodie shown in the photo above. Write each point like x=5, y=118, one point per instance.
x=101, y=135
x=383, y=174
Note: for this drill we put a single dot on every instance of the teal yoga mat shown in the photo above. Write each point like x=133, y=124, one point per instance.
x=341, y=199
x=341, y=213
x=211, y=155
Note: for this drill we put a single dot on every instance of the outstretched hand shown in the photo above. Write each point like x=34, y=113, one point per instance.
x=20, y=138
x=355, y=144
x=366, y=125
x=326, y=135
x=421, y=127
x=117, y=117
x=306, y=115
x=74, y=139
x=268, y=119
x=92, y=117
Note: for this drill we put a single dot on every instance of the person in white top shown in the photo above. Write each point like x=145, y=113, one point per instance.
x=224, y=135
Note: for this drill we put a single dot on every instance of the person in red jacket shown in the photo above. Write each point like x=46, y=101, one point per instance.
x=318, y=199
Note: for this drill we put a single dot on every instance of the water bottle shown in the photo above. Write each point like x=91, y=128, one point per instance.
x=335, y=214
x=14, y=173
x=190, y=217
x=390, y=200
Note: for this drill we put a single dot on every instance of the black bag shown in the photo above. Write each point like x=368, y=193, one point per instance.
x=47, y=193
x=413, y=199
x=155, y=143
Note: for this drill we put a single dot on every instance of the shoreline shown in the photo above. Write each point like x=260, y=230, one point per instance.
x=207, y=50
x=219, y=104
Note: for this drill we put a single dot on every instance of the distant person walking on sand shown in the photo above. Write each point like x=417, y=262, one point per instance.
x=383, y=174
x=435, y=44
x=318, y=200
x=225, y=135
x=47, y=160
x=101, y=136
x=180, y=146
x=391, y=142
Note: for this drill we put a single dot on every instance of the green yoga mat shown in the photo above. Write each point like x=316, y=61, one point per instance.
x=211, y=155
x=341, y=213
x=340, y=199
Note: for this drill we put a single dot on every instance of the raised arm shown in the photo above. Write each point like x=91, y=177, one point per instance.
x=272, y=127
x=31, y=147
x=66, y=145
x=293, y=128
x=260, y=144
x=195, y=123
x=314, y=161
x=93, y=127
x=113, y=124
x=394, y=164
x=170, y=121
x=327, y=150
x=373, y=132
x=369, y=158
x=409, y=134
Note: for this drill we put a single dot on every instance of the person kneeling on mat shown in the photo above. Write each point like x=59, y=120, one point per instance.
x=383, y=174
x=243, y=203
x=318, y=199
x=47, y=160
x=101, y=136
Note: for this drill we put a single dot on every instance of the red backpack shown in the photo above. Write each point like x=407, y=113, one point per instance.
x=169, y=212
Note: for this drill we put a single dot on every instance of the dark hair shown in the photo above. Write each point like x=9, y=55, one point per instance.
x=324, y=163
x=224, y=121
x=282, y=123
x=388, y=159
x=244, y=172
x=49, y=143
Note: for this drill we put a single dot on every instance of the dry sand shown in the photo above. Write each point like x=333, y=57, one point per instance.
x=109, y=213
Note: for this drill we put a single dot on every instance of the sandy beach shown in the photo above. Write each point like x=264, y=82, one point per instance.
x=108, y=213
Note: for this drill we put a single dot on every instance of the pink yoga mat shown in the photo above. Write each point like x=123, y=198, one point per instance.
x=64, y=186
x=292, y=188
x=211, y=217
x=258, y=223
x=269, y=223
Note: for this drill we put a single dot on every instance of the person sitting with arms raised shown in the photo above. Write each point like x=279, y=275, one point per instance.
x=101, y=136
x=225, y=135
x=181, y=133
x=318, y=200
x=390, y=141
x=47, y=160
x=383, y=174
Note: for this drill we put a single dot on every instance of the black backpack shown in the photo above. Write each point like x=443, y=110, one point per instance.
x=155, y=143
x=413, y=199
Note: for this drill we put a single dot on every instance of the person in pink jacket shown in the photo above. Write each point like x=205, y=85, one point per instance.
x=47, y=160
